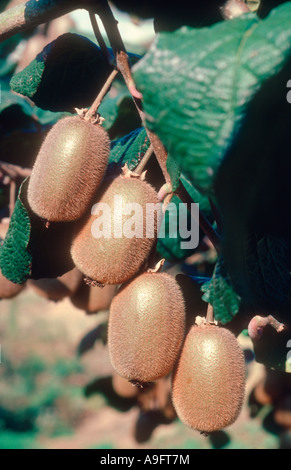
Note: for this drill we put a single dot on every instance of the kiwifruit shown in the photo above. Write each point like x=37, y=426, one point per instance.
x=69, y=168
x=208, y=380
x=57, y=288
x=116, y=259
x=146, y=327
x=9, y=289
x=93, y=299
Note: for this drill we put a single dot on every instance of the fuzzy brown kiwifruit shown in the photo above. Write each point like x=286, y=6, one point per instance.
x=208, y=381
x=69, y=168
x=57, y=289
x=93, y=299
x=116, y=257
x=9, y=289
x=146, y=327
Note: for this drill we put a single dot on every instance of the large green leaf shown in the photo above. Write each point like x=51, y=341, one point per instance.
x=67, y=73
x=196, y=84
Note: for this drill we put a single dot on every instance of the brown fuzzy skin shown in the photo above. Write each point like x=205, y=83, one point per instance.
x=146, y=327
x=8, y=289
x=57, y=289
x=115, y=260
x=208, y=382
x=69, y=168
x=93, y=299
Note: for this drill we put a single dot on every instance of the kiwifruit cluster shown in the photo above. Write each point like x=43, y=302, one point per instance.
x=209, y=378
x=68, y=169
x=116, y=259
x=146, y=327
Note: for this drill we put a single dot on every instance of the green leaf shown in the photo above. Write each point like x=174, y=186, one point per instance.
x=15, y=259
x=128, y=150
x=220, y=293
x=196, y=84
x=67, y=73
x=30, y=249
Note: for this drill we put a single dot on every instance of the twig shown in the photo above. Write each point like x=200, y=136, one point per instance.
x=210, y=314
x=140, y=167
x=14, y=171
x=94, y=107
x=12, y=197
x=30, y=14
x=258, y=323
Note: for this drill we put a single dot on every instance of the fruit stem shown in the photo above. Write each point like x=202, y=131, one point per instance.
x=12, y=194
x=140, y=167
x=258, y=323
x=210, y=314
x=99, y=37
x=98, y=100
